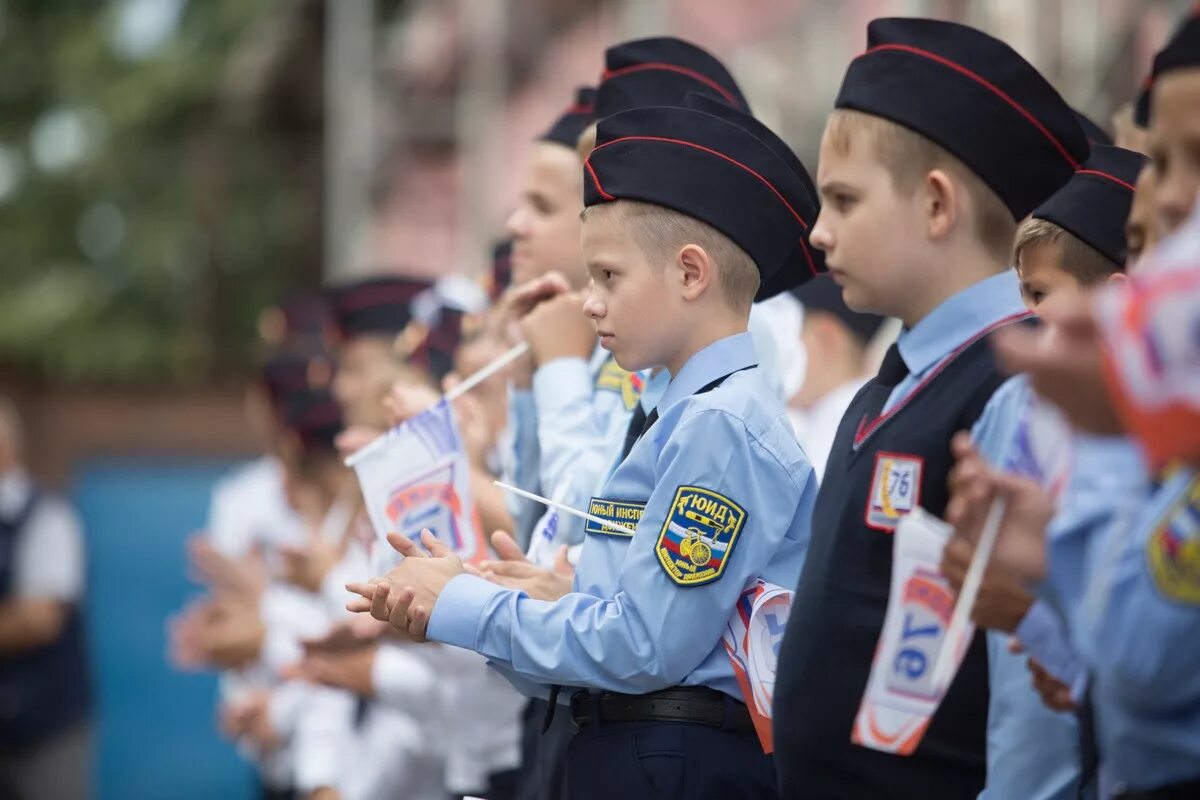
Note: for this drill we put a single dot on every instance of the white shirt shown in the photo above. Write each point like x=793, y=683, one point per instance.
x=48, y=553
x=249, y=508
x=817, y=426
x=776, y=325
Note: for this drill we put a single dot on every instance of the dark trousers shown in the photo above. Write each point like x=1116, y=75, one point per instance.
x=544, y=755
x=667, y=760
x=57, y=769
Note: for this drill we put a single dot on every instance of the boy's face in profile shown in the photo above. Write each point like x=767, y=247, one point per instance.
x=869, y=231
x=545, y=225
x=366, y=368
x=637, y=316
x=1175, y=146
x=1044, y=282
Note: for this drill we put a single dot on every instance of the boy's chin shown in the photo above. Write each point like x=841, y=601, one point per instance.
x=629, y=361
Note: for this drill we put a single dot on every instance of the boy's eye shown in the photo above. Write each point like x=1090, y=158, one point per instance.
x=1036, y=297
x=608, y=274
x=843, y=201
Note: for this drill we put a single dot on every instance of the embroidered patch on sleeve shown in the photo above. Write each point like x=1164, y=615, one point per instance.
x=895, y=489
x=698, y=535
x=1173, y=551
x=620, y=512
x=627, y=384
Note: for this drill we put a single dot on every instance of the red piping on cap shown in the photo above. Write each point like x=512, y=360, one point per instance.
x=710, y=151
x=587, y=162
x=1100, y=174
x=985, y=83
x=691, y=73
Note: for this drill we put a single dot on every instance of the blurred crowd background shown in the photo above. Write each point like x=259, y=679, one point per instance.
x=168, y=168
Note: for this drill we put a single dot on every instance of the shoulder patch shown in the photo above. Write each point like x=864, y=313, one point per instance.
x=698, y=535
x=621, y=512
x=1173, y=550
x=627, y=384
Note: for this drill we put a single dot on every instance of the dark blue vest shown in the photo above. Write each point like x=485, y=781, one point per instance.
x=842, y=599
x=42, y=691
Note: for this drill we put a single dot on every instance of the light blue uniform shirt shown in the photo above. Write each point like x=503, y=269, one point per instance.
x=723, y=463
x=1124, y=565
x=564, y=429
x=1018, y=765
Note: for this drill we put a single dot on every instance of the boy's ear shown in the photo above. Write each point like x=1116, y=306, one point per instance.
x=695, y=270
x=942, y=203
x=1117, y=277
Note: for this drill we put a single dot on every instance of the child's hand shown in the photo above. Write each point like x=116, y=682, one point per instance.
x=558, y=328
x=406, y=596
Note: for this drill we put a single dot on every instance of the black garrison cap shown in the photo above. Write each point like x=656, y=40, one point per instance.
x=974, y=96
x=374, y=306
x=716, y=171
x=822, y=294
x=567, y=129
x=661, y=72
x=1094, y=204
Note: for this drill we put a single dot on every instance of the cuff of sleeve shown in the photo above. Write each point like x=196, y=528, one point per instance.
x=401, y=677
x=459, y=609
x=1041, y=634
x=554, y=380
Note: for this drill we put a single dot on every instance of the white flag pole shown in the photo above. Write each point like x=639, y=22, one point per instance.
x=488, y=370
x=970, y=591
x=562, y=507
x=482, y=374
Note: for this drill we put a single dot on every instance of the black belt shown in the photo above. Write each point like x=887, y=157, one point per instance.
x=693, y=704
x=1184, y=790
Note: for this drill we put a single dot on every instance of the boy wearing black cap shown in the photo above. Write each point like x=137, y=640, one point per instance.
x=1076, y=239
x=368, y=316
x=690, y=215
x=1069, y=244
x=943, y=137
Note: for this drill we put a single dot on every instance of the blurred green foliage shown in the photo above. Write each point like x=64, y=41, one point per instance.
x=150, y=204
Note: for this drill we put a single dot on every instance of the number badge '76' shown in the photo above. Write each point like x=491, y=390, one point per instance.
x=895, y=489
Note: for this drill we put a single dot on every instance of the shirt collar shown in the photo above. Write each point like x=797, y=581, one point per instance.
x=719, y=359
x=959, y=318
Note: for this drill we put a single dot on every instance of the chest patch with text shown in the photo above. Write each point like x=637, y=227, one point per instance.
x=621, y=512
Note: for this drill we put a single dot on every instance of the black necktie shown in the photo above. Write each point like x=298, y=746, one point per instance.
x=891, y=372
x=893, y=369
x=634, y=431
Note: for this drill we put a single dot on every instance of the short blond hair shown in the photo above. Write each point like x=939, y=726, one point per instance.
x=1078, y=258
x=586, y=142
x=909, y=157
x=660, y=232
